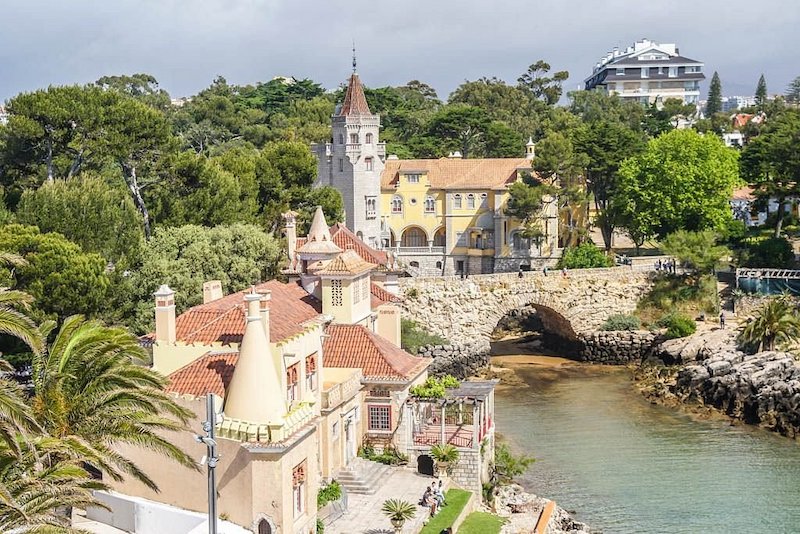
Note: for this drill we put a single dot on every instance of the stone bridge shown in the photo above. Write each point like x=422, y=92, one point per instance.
x=468, y=310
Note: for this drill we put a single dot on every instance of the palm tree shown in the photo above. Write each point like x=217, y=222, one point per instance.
x=89, y=389
x=398, y=512
x=775, y=322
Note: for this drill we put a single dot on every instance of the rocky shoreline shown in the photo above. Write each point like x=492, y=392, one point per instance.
x=521, y=511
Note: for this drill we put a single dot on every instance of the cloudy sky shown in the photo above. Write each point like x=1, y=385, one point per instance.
x=186, y=43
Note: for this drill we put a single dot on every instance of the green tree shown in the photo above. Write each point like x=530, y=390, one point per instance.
x=88, y=211
x=697, y=249
x=142, y=87
x=90, y=388
x=459, y=127
x=761, y=92
x=502, y=141
x=512, y=105
x=61, y=277
x=508, y=466
x=185, y=257
x=683, y=180
x=770, y=162
x=541, y=86
x=584, y=256
x=714, y=100
x=793, y=91
x=664, y=116
x=775, y=322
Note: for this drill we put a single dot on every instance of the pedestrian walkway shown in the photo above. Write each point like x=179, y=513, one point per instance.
x=363, y=515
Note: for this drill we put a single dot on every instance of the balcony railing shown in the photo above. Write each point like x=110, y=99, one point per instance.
x=400, y=251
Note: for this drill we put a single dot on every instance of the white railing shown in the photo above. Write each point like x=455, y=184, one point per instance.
x=400, y=251
x=783, y=274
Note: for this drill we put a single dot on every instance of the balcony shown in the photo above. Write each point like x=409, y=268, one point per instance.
x=401, y=251
x=341, y=384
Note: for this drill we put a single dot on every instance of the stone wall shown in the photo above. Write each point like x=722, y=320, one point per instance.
x=468, y=310
x=459, y=360
x=618, y=347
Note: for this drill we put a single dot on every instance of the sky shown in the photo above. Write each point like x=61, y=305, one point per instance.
x=187, y=43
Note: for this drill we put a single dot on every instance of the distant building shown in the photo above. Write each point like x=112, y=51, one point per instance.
x=648, y=72
x=3, y=115
x=732, y=103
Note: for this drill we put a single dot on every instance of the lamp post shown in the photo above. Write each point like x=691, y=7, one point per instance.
x=210, y=459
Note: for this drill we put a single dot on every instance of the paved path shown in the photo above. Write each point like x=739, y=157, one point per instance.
x=364, y=515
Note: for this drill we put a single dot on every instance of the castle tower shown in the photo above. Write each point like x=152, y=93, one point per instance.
x=353, y=161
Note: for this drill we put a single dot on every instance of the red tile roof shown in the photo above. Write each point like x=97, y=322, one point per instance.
x=223, y=320
x=744, y=193
x=381, y=296
x=356, y=346
x=345, y=239
x=347, y=263
x=457, y=173
x=211, y=373
x=355, y=103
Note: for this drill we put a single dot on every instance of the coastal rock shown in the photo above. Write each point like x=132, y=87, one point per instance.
x=459, y=360
x=522, y=510
x=618, y=347
x=697, y=347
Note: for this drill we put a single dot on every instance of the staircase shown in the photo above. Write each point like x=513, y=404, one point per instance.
x=362, y=476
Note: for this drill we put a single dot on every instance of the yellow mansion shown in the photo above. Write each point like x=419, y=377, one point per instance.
x=439, y=216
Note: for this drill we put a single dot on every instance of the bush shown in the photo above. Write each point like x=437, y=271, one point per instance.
x=412, y=337
x=434, y=388
x=585, y=256
x=329, y=493
x=389, y=456
x=773, y=252
x=621, y=322
x=677, y=325
x=444, y=453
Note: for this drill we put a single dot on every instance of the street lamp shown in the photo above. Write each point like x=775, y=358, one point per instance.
x=210, y=459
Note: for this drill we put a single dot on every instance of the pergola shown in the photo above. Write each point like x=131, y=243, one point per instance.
x=462, y=418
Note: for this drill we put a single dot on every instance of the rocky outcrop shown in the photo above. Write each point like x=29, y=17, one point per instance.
x=459, y=360
x=618, y=347
x=697, y=347
x=522, y=510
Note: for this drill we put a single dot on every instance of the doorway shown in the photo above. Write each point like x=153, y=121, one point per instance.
x=425, y=465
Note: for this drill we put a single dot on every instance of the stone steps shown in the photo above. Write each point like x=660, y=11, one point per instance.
x=362, y=476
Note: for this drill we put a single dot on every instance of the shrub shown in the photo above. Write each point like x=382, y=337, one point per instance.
x=450, y=382
x=677, y=325
x=621, y=322
x=444, y=453
x=398, y=510
x=773, y=252
x=507, y=466
x=434, y=388
x=329, y=493
x=584, y=256
x=412, y=337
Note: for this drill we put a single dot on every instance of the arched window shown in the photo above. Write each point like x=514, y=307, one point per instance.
x=368, y=139
x=438, y=265
x=354, y=138
x=484, y=200
x=414, y=237
x=263, y=527
x=397, y=204
x=471, y=201
x=519, y=242
x=341, y=139
x=414, y=264
x=430, y=204
x=369, y=164
x=439, y=237
x=457, y=201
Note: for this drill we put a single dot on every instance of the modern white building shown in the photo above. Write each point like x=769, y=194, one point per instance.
x=648, y=72
x=3, y=115
x=732, y=103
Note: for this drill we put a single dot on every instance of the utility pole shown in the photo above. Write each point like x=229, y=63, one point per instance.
x=210, y=459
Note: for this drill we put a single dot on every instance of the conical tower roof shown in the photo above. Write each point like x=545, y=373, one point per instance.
x=319, y=239
x=255, y=373
x=355, y=103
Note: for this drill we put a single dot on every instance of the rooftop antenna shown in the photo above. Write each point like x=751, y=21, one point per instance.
x=354, y=56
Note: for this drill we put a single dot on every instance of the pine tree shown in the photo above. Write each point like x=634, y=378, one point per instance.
x=761, y=92
x=793, y=92
x=714, y=101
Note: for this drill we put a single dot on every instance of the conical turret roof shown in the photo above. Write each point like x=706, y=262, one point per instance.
x=255, y=373
x=355, y=103
x=319, y=239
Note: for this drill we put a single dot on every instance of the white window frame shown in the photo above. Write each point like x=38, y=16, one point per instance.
x=430, y=204
x=457, y=201
x=397, y=204
x=470, y=201
x=412, y=178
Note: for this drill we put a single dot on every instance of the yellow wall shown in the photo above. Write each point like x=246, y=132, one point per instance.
x=356, y=301
x=455, y=220
x=388, y=323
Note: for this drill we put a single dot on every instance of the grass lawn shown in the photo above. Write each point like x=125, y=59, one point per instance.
x=481, y=523
x=456, y=499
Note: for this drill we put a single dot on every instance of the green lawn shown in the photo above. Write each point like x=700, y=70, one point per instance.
x=456, y=499
x=481, y=523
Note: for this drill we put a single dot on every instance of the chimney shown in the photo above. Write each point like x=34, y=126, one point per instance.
x=165, y=314
x=266, y=297
x=455, y=155
x=530, y=149
x=252, y=305
x=290, y=228
x=212, y=290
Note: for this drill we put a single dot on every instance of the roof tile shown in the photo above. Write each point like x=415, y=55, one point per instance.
x=211, y=373
x=458, y=173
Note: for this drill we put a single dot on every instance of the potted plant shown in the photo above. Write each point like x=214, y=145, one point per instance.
x=398, y=512
x=445, y=455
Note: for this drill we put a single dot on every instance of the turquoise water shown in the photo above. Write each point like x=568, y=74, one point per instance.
x=626, y=466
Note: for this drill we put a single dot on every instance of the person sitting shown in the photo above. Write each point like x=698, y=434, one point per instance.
x=424, y=501
x=432, y=503
x=438, y=493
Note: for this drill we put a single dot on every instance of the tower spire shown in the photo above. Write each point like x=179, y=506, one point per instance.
x=354, y=56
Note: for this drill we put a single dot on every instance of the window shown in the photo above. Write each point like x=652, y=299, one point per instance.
x=414, y=237
x=430, y=204
x=520, y=243
x=620, y=72
x=341, y=164
x=460, y=266
x=412, y=178
x=645, y=72
x=341, y=139
x=457, y=201
x=299, y=488
x=414, y=264
x=372, y=209
x=292, y=380
x=311, y=372
x=470, y=201
x=336, y=292
x=438, y=265
x=368, y=163
x=335, y=430
x=368, y=139
x=380, y=417
x=397, y=204
x=413, y=201
x=354, y=139
x=673, y=72
x=484, y=200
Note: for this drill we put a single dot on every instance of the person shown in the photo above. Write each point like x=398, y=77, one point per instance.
x=426, y=497
x=432, y=503
x=520, y=272
x=448, y=530
x=544, y=270
x=564, y=272
x=722, y=319
x=438, y=492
